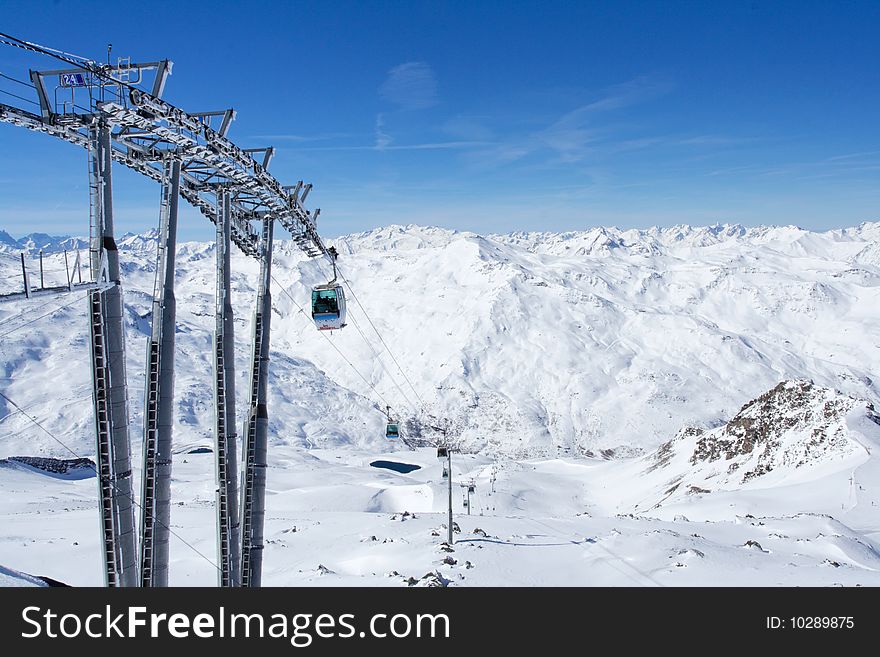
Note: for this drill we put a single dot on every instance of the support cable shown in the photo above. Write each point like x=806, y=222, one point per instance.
x=22, y=82
x=27, y=100
x=339, y=351
x=376, y=353
x=390, y=353
x=35, y=319
x=94, y=468
x=381, y=364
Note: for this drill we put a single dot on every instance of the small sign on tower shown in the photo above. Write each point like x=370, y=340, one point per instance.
x=72, y=80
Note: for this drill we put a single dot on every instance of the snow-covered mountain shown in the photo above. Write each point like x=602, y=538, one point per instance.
x=735, y=366
x=36, y=242
x=602, y=341
x=793, y=435
x=611, y=339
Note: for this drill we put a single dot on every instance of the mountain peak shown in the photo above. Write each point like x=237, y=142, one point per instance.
x=36, y=242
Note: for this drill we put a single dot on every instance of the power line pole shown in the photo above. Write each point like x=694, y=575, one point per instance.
x=446, y=452
x=449, y=466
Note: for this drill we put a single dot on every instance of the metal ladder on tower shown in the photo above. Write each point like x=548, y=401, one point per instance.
x=250, y=457
x=222, y=467
x=100, y=371
x=102, y=417
x=149, y=486
x=151, y=413
x=95, y=206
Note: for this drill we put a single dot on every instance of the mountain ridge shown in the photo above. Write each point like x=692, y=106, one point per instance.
x=524, y=348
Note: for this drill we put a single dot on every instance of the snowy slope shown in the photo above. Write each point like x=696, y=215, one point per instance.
x=793, y=449
x=597, y=342
x=333, y=520
x=676, y=406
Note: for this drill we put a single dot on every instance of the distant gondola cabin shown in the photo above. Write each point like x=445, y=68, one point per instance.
x=392, y=431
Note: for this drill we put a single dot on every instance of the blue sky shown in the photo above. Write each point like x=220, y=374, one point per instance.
x=492, y=116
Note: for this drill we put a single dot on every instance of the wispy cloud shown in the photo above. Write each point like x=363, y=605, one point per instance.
x=410, y=86
x=383, y=139
x=388, y=146
x=302, y=139
x=834, y=166
x=573, y=135
x=383, y=142
x=854, y=156
x=632, y=92
x=468, y=128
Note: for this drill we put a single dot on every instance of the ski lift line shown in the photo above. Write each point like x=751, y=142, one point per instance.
x=300, y=309
x=381, y=339
x=75, y=60
x=97, y=474
x=44, y=50
x=376, y=353
x=27, y=100
x=372, y=349
x=382, y=365
x=35, y=308
x=75, y=398
x=36, y=319
x=22, y=82
x=390, y=353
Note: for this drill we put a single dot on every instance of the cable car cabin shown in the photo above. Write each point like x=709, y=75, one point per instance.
x=392, y=431
x=328, y=307
x=442, y=452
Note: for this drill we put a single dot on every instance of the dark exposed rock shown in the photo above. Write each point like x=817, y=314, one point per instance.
x=430, y=580
x=52, y=465
x=759, y=426
x=667, y=450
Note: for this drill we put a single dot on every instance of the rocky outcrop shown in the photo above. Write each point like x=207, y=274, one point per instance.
x=794, y=424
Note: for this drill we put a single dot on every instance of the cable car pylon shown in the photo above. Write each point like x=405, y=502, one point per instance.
x=117, y=113
x=110, y=389
x=256, y=431
x=159, y=394
x=225, y=437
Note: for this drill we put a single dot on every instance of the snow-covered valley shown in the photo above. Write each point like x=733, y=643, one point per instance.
x=617, y=395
